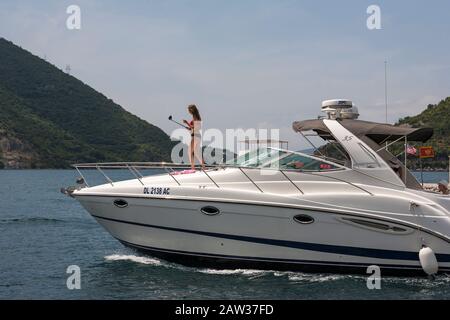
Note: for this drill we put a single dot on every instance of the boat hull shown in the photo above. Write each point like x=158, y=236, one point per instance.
x=219, y=262
x=260, y=237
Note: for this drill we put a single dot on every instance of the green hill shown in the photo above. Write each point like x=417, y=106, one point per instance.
x=49, y=119
x=437, y=117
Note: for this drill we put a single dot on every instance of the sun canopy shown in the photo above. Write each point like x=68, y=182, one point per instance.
x=378, y=132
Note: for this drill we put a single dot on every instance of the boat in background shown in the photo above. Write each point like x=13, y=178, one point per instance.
x=350, y=205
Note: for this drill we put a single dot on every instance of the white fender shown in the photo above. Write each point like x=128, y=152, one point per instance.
x=428, y=261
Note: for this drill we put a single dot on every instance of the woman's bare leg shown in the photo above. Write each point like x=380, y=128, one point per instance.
x=192, y=154
x=198, y=154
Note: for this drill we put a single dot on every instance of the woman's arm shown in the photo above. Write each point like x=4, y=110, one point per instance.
x=188, y=124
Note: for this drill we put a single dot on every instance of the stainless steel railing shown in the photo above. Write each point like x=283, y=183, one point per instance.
x=171, y=168
x=134, y=167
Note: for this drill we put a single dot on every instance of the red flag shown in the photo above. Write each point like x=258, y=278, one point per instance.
x=426, y=152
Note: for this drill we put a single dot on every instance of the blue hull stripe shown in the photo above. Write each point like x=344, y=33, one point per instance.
x=345, y=250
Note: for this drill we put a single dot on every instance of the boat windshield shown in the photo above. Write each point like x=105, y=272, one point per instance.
x=256, y=158
x=282, y=159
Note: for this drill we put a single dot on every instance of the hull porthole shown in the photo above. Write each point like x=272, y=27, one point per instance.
x=120, y=203
x=303, y=219
x=210, y=210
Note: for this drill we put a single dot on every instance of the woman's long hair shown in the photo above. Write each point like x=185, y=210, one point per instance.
x=194, y=111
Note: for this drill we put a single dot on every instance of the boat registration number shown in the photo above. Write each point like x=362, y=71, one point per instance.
x=156, y=190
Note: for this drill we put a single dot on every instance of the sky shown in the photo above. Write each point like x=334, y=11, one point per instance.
x=244, y=63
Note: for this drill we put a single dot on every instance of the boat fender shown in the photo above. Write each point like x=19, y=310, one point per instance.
x=428, y=261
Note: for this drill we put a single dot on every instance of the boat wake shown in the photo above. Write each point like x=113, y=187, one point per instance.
x=296, y=277
x=248, y=273
x=289, y=275
x=133, y=258
x=245, y=272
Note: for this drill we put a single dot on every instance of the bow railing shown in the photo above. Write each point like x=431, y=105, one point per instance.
x=171, y=169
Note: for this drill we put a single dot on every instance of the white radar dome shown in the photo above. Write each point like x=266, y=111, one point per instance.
x=340, y=109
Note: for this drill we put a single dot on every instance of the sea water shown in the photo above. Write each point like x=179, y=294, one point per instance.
x=43, y=232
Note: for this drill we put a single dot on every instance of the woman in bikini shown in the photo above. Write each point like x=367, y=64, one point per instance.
x=195, y=148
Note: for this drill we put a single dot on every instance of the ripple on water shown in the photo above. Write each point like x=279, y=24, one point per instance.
x=30, y=220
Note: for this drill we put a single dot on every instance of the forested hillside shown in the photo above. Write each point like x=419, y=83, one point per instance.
x=49, y=119
x=436, y=117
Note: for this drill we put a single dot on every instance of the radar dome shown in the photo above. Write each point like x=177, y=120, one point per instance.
x=340, y=109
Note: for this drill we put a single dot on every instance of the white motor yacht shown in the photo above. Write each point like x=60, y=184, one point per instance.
x=346, y=206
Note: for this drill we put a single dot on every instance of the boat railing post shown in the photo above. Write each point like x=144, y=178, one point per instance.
x=204, y=171
x=421, y=170
x=290, y=180
x=170, y=174
x=241, y=169
x=131, y=168
x=137, y=171
x=106, y=177
x=84, y=179
x=406, y=158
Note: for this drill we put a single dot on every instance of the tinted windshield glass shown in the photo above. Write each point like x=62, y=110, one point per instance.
x=279, y=159
x=301, y=162
x=257, y=158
